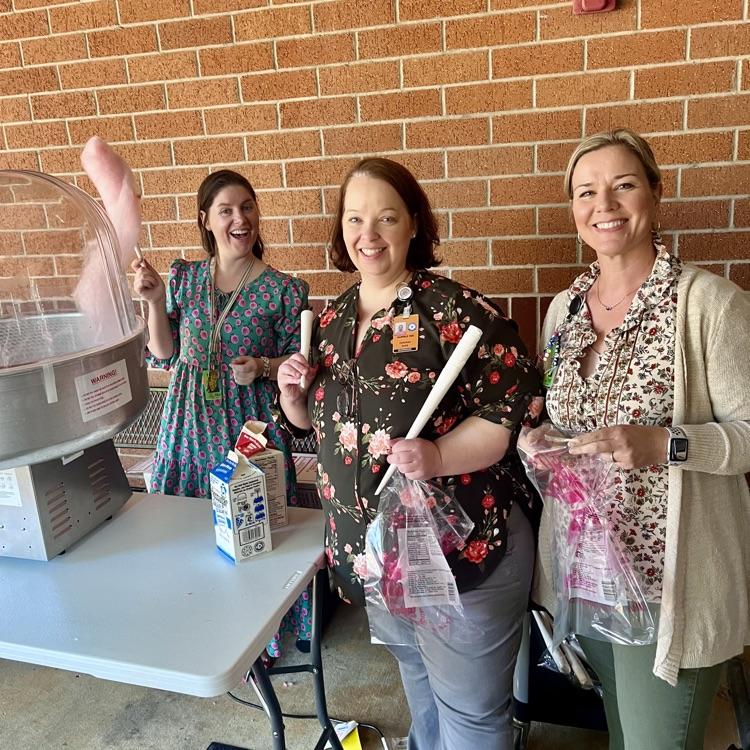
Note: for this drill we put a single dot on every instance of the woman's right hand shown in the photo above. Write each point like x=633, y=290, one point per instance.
x=295, y=377
x=148, y=283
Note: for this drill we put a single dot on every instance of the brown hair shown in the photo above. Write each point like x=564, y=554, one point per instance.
x=207, y=192
x=635, y=143
x=422, y=246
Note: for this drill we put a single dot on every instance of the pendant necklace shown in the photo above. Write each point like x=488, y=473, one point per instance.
x=608, y=308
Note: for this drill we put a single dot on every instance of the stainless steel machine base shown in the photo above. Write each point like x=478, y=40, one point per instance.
x=45, y=507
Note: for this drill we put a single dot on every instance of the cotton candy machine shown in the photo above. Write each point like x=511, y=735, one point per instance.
x=72, y=371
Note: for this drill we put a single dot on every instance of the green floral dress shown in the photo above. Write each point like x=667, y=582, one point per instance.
x=360, y=399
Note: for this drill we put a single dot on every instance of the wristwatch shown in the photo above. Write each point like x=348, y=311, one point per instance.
x=677, y=447
x=266, y=367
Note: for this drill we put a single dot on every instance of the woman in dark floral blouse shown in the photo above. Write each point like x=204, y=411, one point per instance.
x=367, y=384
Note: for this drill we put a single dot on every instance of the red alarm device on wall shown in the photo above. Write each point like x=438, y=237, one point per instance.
x=593, y=6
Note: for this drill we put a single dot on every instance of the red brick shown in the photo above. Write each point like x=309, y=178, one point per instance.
x=209, y=151
x=290, y=202
x=203, y=93
x=692, y=148
x=15, y=109
x=159, y=209
x=555, y=219
x=400, y=105
x=237, y=58
x=308, y=230
x=312, y=51
x=364, y=139
x=275, y=231
x=537, y=59
x=83, y=16
x=743, y=150
x=414, y=10
x=278, y=86
x=543, y=250
x=282, y=146
x=399, y=41
x=643, y=117
x=742, y=213
x=490, y=30
x=271, y=23
x=55, y=106
x=739, y=273
x=457, y=193
x=242, y=118
x=359, y=77
x=199, y=32
x=532, y=189
x=262, y=176
x=114, y=42
x=484, y=97
x=583, y=88
x=168, y=125
x=201, y=7
x=310, y=112
x=533, y=127
x=59, y=242
x=61, y=161
x=328, y=283
x=649, y=48
x=715, y=181
x=318, y=172
x=560, y=23
x=661, y=13
x=492, y=223
x=424, y=166
x=439, y=70
x=295, y=258
x=138, y=11
x=17, y=26
x=463, y=253
x=726, y=40
x=130, y=99
x=174, y=234
x=714, y=246
x=28, y=81
x=687, y=79
x=723, y=111
x=10, y=55
x=447, y=133
x=38, y=135
x=145, y=155
x=52, y=49
x=343, y=14
x=490, y=161
x=680, y=215
x=553, y=157
x=165, y=66
x=87, y=75
x=173, y=181
x=497, y=281
x=554, y=280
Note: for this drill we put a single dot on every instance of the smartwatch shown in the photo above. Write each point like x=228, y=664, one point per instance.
x=677, y=448
x=266, y=367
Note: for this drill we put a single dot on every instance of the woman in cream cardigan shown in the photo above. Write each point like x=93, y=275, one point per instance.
x=653, y=373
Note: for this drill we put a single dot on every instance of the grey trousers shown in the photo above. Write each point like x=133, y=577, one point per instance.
x=460, y=694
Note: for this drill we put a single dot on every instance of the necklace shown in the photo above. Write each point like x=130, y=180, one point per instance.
x=622, y=299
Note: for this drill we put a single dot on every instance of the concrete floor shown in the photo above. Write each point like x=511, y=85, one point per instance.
x=49, y=709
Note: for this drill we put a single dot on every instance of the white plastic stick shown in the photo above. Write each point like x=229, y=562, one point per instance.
x=305, y=325
x=446, y=379
x=560, y=660
x=578, y=669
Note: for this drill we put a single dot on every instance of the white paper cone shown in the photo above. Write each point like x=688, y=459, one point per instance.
x=446, y=379
x=306, y=321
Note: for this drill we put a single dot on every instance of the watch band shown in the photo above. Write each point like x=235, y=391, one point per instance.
x=677, y=447
x=266, y=367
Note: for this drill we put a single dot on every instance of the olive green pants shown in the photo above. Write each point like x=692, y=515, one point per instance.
x=645, y=712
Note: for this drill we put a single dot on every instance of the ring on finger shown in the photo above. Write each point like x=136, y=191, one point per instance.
x=612, y=456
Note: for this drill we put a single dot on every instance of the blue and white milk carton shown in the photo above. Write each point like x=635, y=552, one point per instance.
x=241, y=518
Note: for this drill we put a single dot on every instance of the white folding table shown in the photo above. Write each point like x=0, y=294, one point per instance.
x=148, y=599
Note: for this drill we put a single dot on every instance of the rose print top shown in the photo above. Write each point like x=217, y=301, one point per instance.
x=196, y=433
x=633, y=384
x=361, y=399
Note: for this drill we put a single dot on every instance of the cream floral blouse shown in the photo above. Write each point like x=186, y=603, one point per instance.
x=633, y=383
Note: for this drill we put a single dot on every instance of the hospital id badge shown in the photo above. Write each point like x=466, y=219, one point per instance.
x=405, y=333
x=211, y=388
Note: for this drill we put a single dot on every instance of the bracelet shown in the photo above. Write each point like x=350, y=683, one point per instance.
x=266, y=367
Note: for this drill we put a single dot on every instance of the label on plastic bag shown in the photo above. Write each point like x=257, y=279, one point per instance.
x=591, y=576
x=426, y=577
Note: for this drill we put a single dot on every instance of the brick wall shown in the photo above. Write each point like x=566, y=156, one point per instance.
x=482, y=99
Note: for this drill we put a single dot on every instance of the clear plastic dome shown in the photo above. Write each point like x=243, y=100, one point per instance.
x=66, y=319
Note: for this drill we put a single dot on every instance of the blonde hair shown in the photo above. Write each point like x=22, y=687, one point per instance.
x=635, y=143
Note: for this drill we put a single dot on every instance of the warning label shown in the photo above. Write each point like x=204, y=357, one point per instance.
x=103, y=391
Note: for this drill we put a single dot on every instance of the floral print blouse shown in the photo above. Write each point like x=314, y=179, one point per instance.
x=633, y=383
x=360, y=399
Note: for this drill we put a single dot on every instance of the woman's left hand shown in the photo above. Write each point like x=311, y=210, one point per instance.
x=245, y=370
x=416, y=458
x=630, y=446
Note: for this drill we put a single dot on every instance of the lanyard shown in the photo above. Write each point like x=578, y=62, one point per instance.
x=216, y=326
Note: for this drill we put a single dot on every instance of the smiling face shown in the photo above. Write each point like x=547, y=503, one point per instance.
x=233, y=219
x=614, y=206
x=377, y=230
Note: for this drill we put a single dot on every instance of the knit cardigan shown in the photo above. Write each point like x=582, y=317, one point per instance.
x=705, y=606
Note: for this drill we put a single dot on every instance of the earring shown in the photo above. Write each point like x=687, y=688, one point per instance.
x=579, y=244
x=656, y=233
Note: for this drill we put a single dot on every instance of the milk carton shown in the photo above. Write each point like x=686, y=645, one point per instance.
x=241, y=518
x=252, y=445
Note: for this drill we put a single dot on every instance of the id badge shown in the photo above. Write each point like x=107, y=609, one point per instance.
x=405, y=333
x=550, y=360
x=211, y=388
